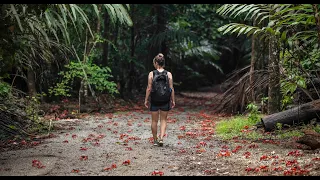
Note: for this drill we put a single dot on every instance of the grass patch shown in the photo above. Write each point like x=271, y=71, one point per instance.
x=243, y=127
x=317, y=128
x=289, y=133
x=235, y=127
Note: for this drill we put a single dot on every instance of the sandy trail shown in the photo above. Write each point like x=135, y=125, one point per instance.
x=120, y=144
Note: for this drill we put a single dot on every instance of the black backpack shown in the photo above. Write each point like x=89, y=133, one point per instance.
x=160, y=92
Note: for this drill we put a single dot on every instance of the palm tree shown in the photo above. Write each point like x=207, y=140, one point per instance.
x=278, y=24
x=41, y=30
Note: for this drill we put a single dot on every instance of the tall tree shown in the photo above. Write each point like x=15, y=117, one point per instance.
x=46, y=28
x=274, y=96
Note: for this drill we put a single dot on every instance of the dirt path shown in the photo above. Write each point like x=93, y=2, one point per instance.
x=120, y=144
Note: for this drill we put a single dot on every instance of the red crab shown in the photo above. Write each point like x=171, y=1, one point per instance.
x=156, y=172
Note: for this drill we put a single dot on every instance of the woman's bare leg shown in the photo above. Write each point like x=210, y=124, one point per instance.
x=163, y=123
x=154, y=123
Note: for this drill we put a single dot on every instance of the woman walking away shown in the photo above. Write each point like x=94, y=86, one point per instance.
x=161, y=92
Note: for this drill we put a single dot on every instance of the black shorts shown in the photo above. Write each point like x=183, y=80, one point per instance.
x=162, y=107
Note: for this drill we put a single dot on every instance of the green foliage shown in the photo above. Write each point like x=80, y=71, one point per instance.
x=5, y=89
x=229, y=128
x=234, y=127
x=199, y=44
x=33, y=107
x=279, y=126
x=288, y=88
x=283, y=19
x=240, y=28
x=289, y=134
x=281, y=133
x=295, y=76
x=254, y=114
x=36, y=35
x=317, y=128
x=12, y=127
x=295, y=27
x=197, y=30
x=280, y=17
x=311, y=62
x=255, y=10
x=264, y=101
x=97, y=76
x=258, y=12
x=60, y=89
x=56, y=17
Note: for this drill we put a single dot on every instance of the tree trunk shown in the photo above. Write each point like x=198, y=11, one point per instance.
x=252, y=64
x=81, y=93
x=132, y=75
x=90, y=44
x=274, y=98
x=105, y=44
x=300, y=114
x=31, y=83
x=160, y=26
x=85, y=92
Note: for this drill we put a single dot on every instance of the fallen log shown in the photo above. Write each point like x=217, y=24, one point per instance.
x=294, y=116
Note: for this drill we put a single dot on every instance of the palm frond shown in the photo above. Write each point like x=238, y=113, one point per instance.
x=56, y=18
x=240, y=29
x=257, y=11
x=118, y=12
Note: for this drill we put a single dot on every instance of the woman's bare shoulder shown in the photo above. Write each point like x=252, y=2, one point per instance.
x=150, y=74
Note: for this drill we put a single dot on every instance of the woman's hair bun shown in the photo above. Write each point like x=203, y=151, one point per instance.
x=159, y=59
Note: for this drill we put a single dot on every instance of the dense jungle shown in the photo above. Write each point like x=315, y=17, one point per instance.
x=73, y=79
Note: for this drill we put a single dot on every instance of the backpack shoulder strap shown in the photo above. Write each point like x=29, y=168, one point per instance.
x=154, y=74
x=167, y=77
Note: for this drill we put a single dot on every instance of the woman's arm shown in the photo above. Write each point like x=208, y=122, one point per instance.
x=172, y=89
x=148, y=90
